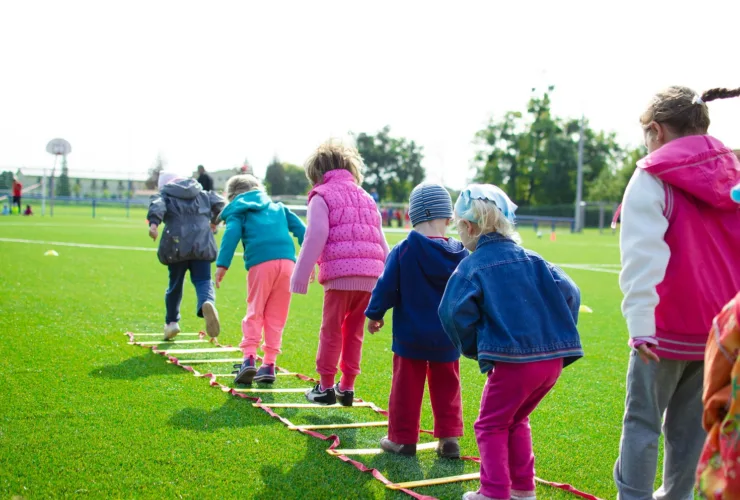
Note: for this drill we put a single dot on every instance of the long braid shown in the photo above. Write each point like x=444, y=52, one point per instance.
x=720, y=93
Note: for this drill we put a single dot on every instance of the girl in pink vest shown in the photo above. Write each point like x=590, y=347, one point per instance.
x=679, y=240
x=345, y=236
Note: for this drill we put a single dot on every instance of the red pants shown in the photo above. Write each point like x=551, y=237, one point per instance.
x=407, y=393
x=342, y=333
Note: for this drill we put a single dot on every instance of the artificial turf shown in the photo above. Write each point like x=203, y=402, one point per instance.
x=82, y=413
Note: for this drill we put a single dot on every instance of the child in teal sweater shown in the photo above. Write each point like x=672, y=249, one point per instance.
x=264, y=229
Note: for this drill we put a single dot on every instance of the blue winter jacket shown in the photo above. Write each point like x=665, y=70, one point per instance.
x=414, y=280
x=507, y=304
x=262, y=226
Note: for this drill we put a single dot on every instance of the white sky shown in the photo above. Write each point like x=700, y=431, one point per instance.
x=215, y=82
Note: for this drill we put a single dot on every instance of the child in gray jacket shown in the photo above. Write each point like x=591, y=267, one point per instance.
x=187, y=244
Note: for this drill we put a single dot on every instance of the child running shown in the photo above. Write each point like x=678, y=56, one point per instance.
x=264, y=229
x=187, y=244
x=516, y=314
x=412, y=284
x=679, y=241
x=345, y=237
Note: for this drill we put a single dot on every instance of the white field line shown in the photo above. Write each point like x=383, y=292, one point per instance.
x=599, y=268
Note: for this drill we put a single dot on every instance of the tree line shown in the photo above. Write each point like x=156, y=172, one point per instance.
x=532, y=155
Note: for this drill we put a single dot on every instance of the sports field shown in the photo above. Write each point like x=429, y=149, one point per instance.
x=84, y=414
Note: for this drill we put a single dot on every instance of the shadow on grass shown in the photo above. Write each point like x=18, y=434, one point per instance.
x=147, y=365
x=234, y=414
x=317, y=475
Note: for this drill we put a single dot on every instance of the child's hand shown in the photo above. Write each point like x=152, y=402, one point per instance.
x=374, y=326
x=220, y=273
x=214, y=228
x=646, y=354
x=153, y=232
x=312, y=278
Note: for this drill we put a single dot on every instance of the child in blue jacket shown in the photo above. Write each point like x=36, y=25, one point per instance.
x=412, y=284
x=264, y=228
x=516, y=314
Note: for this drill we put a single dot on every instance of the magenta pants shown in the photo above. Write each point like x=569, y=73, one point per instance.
x=502, y=430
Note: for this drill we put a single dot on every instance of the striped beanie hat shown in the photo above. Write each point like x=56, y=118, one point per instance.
x=429, y=202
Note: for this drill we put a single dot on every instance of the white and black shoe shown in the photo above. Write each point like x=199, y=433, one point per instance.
x=325, y=397
x=345, y=398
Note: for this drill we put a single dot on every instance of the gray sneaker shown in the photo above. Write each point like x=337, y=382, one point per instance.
x=407, y=450
x=210, y=314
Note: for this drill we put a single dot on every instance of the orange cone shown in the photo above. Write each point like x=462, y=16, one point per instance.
x=553, y=237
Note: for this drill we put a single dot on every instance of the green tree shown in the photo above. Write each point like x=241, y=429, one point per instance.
x=6, y=180
x=393, y=164
x=77, y=188
x=275, y=181
x=611, y=183
x=94, y=188
x=62, y=186
x=153, y=179
x=296, y=183
x=534, y=156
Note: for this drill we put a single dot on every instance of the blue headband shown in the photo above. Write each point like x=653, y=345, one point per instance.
x=488, y=192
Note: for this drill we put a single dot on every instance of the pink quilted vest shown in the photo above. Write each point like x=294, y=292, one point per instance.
x=698, y=172
x=354, y=247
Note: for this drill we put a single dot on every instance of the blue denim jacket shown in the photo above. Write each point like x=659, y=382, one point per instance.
x=507, y=304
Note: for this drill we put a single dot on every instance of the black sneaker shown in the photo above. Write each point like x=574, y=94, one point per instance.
x=345, y=398
x=325, y=397
x=247, y=372
x=265, y=374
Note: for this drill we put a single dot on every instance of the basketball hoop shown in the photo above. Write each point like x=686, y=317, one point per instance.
x=58, y=147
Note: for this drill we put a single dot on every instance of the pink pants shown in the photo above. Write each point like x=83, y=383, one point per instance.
x=342, y=333
x=502, y=430
x=407, y=395
x=268, y=303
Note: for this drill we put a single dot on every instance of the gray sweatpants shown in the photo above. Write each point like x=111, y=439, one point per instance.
x=674, y=388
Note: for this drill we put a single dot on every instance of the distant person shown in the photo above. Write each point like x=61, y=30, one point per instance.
x=17, y=193
x=345, y=236
x=516, y=314
x=679, y=240
x=412, y=284
x=374, y=195
x=204, y=179
x=6, y=210
x=264, y=228
x=187, y=245
x=28, y=210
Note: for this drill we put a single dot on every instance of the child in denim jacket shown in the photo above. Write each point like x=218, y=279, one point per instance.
x=516, y=315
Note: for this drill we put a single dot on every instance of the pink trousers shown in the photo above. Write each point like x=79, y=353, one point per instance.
x=502, y=430
x=268, y=303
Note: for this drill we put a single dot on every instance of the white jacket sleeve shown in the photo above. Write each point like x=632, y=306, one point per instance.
x=645, y=254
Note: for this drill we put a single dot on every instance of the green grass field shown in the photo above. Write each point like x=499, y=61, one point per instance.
x=84, y=414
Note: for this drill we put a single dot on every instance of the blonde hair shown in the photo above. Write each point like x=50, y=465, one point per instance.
x=242, y=184
x=684, y=111
x=489, y=220
x=334, y=155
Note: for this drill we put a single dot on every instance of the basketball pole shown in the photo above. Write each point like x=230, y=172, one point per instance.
x=51, y=186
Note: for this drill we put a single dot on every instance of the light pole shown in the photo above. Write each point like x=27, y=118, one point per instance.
x=579, y=182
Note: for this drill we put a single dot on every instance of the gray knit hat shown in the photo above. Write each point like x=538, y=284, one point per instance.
x=429, y=202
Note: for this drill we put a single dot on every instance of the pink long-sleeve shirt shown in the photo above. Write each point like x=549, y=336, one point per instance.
x=317, y=234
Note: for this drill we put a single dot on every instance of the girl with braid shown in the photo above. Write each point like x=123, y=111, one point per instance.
x=680, y=234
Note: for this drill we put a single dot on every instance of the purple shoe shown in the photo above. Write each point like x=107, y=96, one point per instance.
x=265, y=374
x=247, y=372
